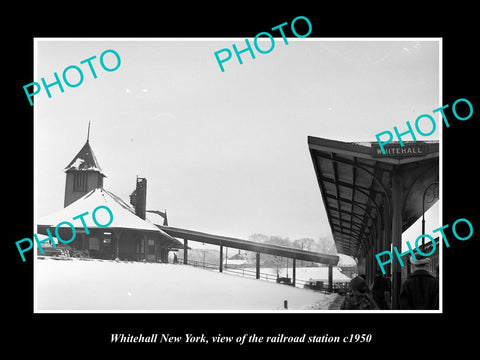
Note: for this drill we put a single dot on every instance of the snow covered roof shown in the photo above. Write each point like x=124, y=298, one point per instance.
x=232, y=262
x=123, y=214
x=84, y=160
x=155, y=218
x=237, y=257
x=346, y=260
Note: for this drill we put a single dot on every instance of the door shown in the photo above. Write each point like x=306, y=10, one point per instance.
x=150, y=253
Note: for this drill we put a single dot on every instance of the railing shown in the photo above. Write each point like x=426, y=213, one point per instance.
x=245, y=272
x=202, y=264
x=337, y=287
x=248, y=272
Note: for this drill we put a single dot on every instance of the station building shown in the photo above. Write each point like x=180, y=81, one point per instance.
x=130, y=236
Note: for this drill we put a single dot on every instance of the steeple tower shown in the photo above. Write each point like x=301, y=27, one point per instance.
x=83, y=173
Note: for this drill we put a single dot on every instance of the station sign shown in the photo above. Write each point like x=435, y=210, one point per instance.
x=397, y=151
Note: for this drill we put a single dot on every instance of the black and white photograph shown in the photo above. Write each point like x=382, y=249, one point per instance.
x=242, y=182
x=260, y=188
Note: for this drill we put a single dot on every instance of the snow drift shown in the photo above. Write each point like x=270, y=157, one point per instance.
x=110, y=286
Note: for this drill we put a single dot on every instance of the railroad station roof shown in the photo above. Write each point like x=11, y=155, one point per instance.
x=85, y=160
x=124, y=217
x=355, y=181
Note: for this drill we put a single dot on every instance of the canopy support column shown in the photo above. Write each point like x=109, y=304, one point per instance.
x=185, y=251
x=330, y=278
x=221, y=258
x=294, y=270
x=396, y=235
x=257, y=265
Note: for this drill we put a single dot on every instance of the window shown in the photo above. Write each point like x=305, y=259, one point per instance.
x=140, y=247
x=80, y=182
x=151, y=246
x=93, y=243
x=107, y=238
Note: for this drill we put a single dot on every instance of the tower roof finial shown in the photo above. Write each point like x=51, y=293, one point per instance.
x=88, y=133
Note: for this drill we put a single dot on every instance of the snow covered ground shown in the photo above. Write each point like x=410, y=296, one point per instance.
x=96, y=285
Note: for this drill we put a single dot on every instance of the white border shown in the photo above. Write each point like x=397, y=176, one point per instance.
x=208, y=311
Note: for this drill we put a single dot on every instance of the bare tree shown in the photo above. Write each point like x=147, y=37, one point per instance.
x=278, y=240
x=325, y=245
x=258, y=238
x=304, y=243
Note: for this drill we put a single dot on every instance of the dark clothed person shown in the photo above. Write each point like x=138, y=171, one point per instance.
x=358, y=298
x=364, y=277
x=381, y=285
x=420, y=289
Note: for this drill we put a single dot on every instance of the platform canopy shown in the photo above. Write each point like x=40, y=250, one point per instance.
x=355, y=181
x=247, y=245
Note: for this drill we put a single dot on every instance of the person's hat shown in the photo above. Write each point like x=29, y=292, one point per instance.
x=420, y=262
x=357, y=283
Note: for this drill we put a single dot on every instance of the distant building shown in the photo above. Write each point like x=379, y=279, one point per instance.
x=236, y=261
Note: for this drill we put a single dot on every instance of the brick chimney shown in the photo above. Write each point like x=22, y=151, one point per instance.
x=138, y=198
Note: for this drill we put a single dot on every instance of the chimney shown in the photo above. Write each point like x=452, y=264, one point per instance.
x=138, y=198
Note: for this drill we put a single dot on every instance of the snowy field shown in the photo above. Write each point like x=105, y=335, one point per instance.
x=96, y=285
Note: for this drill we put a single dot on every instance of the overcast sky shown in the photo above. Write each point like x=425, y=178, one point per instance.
x=225, y=152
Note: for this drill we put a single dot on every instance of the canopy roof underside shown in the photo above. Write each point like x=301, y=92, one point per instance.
x=356, y=187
